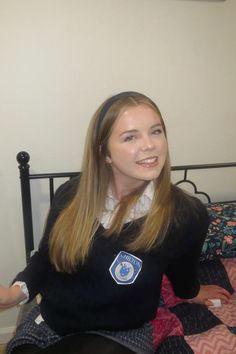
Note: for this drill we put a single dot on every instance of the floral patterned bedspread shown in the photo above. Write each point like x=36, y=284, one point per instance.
x=182, y=327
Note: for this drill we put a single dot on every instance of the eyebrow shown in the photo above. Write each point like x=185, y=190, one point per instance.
x=136, y=130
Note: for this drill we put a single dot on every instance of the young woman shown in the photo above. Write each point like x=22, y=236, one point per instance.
x=110, y=236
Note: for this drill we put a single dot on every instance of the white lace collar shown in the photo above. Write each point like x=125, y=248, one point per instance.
x=140, y=209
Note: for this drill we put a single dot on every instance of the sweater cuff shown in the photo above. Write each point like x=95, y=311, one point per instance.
x=188, y=293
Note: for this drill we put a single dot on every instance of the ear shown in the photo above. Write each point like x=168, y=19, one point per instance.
x=108, y=159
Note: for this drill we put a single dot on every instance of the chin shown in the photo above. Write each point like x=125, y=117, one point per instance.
x=148, y=178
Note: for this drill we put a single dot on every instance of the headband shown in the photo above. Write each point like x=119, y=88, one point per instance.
x=110, y=102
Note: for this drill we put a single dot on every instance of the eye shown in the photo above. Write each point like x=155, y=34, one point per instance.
x=157, y=131
x=129, y=138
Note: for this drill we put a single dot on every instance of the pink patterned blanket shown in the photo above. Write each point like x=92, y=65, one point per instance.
x=182, y=327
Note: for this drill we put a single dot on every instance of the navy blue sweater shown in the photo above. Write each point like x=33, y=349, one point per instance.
x=93, y=298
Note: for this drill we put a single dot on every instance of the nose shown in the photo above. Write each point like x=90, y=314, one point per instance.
x=147, y=143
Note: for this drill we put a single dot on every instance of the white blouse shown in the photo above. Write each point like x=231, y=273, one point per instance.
x=140, y=209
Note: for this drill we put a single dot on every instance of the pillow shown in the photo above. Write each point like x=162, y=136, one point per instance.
x=221, y=235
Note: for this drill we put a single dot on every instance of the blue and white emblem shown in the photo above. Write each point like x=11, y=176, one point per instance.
x=125, y=268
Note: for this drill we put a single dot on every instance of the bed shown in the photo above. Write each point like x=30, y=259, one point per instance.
x=180, y=326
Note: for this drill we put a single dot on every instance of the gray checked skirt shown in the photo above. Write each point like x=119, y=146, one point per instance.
x=40, y=334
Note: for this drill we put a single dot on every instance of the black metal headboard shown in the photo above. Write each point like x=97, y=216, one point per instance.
x=25, y=177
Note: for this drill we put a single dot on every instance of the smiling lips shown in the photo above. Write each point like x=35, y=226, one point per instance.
x=149, y=162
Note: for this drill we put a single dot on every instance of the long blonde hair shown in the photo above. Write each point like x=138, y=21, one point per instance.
x=73, y=232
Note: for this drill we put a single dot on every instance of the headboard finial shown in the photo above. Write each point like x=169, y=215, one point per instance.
x=23, y=158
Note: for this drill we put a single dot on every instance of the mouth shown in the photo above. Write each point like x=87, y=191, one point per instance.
x=148, y=162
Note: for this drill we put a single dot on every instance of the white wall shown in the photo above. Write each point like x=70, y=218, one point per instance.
x=59, y=59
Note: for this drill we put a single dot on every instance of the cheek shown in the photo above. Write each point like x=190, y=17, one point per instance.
x=164, y=146
x=122, y=151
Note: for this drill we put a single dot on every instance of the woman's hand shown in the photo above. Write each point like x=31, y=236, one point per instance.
x=10, y=297
x=208, y=292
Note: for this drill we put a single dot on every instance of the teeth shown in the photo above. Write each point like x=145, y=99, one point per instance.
x=151, y=160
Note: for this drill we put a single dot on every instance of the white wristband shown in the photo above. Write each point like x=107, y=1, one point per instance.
x=215, y=302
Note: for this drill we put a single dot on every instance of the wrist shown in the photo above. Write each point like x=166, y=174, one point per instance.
x=17, y=295
x=24, y=289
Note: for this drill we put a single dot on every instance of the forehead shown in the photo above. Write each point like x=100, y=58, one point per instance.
x=137, y=117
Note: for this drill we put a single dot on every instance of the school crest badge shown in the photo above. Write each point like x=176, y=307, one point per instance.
x=125, y=268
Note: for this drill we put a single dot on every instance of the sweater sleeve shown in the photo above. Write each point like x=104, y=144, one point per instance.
x=35, y=273
x=183, y=267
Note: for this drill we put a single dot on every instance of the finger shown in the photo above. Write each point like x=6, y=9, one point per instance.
x=209, y=303
x=225, y=296
x=217, y=291
x=223, y=291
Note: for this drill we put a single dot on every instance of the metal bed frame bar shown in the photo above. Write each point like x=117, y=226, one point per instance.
x=23, y=159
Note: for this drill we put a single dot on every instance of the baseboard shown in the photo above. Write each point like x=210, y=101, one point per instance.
x=6, y=333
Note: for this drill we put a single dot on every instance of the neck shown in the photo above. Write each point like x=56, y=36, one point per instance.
x=121, y=191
